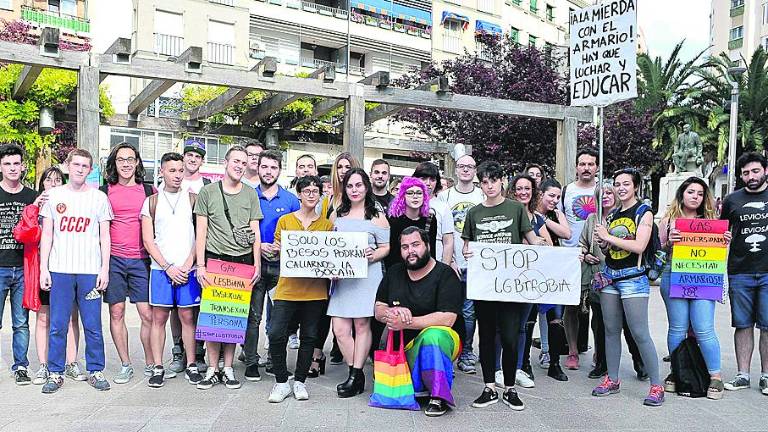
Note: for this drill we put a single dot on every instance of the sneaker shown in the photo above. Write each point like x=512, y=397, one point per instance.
x=655, y=396
x=263, y=361
x=268, y=368
x=544, y=360
x=149, y=370
x=97, y=381
x=177, y=364
x=300, y=391
x=252, y=373
x=764, y=385
x=157, y=379
x=499, y=379
x=466, y=367
x=279, y=392
x=210, y=380
x=41, y=377
x=472, y=358
x=229, y=380
x=293, y=341
x=192, y=374
x=715, y=389
x=739, y=382
x=572, y=362
x=436, y=408
x=523, y=380
x=512, y=400
x=73, y=372
x=337, y=357
x=125, y=375
x=607, y=387
x=487, y=398
x=21, y=376
x=54, y=383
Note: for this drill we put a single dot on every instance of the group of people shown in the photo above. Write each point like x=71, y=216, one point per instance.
x=67, y=248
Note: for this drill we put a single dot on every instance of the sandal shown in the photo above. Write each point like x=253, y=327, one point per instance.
x=320, y=370
x=715, y=390
x=669, y=384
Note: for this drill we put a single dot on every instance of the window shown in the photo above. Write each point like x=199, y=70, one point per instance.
x=119, y=135
x=214, y=149
x=53, y=6
x=482, y=51
x=765, y=13
x=68, y=7
x=452, y=36
x=221, y=42
x=6, y=4
x=765, y=43
x=486, y=6
x=169, y=33
x=550, y=13
x=514, y=34
x=535, y=6
x=736, y=3
x=532, y=40
x=737, y=33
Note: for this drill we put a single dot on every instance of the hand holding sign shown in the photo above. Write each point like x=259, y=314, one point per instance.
x=324, y=254
x=699, y=259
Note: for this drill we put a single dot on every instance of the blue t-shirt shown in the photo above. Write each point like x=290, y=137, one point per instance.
x=281, y=204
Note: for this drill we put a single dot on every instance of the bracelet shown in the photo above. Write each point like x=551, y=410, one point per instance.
x=169, y=265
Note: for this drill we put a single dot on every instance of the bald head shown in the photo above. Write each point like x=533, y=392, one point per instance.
x=466, y=168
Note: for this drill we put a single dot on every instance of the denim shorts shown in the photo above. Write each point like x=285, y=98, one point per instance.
x=749, y=300
x=633, y=283
x=128, y=277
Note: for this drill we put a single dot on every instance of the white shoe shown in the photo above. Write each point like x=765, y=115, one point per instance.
x=500, y=379
x=300, y=391
x=523, y=380
x=279, y=392
x=293, y=341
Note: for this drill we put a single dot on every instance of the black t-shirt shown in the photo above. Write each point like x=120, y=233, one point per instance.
x=384, y=200
x=438, y=291
x=623, y=226
x=396, y=227
x=11, y=206
x=747, y=214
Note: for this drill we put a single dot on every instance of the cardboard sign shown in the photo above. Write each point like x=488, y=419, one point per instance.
x=225, y=303
x=324, y=254
x=699, y=260
x=603, y=53
x=524, y=274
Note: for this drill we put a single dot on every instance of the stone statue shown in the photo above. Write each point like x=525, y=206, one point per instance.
x=688, y=151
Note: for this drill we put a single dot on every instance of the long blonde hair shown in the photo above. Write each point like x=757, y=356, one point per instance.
x=707, y=208
x=335, y=181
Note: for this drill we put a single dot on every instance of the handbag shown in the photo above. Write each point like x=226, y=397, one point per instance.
x=600, y=280
x=393, y=387
x=244, y=236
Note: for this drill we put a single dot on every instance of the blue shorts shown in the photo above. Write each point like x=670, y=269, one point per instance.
x=749, y=300
x=163, y=293
x=128, y=278
x=628, y=282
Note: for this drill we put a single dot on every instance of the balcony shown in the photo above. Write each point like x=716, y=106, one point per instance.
x=736, y=43
x=224, y=2
x=220, y=53
x=314, y=63
x=451, y=43
x=43, y=18
x=399, y=27
x=168, y=45
x=737, y=11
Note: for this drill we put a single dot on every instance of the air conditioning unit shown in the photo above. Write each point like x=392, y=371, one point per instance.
x=254, y=45
x=255, y=50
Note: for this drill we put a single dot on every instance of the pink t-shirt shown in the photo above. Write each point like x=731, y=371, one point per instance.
x=125, y=230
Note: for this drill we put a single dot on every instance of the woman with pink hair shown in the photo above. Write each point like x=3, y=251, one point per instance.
x=410, y=208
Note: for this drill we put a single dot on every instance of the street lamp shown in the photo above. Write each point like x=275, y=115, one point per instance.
x=735, y=72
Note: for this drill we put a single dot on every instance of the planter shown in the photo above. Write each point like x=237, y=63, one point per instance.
x=341, y=15
x=276, y=2
x=385, y=25
x=425, y=35
x=371, y=22
x=413, y=32
x=400, y=29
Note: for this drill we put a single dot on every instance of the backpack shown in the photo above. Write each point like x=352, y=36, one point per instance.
x=654, y=257
x=206, y=181
x=689, y=369
x=153, y=207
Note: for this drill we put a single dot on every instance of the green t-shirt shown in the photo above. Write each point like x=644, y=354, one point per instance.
x=243, y=208
x=503, y=223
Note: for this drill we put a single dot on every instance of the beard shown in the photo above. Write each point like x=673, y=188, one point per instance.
x=756, y=184
x=266, y=183
x=420, y=263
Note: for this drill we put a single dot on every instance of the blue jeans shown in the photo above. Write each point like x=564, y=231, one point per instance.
x=699, y=314
x=12, y=280
x=749, y=300
x=66, y=291
x=628, y=282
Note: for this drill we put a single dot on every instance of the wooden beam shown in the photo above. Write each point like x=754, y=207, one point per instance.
x=386, y=110
x=354, y=123
x=153, y=90
x=88, y=114
x=565, y=150
x=121, y=52
x=275, y=103
x=25, y=81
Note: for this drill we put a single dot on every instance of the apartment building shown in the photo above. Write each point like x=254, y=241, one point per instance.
x=738, y=28
x=69, y=16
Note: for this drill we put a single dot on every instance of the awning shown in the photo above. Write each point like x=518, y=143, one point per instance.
x=454, y=16
x=487, y=28
x=385, y=7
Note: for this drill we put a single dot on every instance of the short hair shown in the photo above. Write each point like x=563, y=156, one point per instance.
x=748, y=158
x=589, y=151
x=379, y=162
x=11, y=150
x=491, y=170
x=78, y=152
x=309, y=180
x=274, y=155
x=255, y=143
x=632, y=172
x=549, y=184
x=171, y=156
x=325, y=179
x=304, y=156
x=430, y=170
x=534, y=165
x=412, y=229
x=234, y=148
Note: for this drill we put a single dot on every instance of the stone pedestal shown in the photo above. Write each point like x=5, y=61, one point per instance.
x=668, y=186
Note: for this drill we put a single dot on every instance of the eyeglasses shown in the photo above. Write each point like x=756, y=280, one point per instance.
x=466, y=166
x=252, y=155
x=310, y=192
x=414, y=193
x=130, y=160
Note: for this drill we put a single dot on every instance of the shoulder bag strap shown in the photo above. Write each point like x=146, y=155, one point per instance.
x=226, y=207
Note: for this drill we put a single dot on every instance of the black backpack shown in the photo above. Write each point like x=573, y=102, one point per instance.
x=654, y=257
x=689, y=369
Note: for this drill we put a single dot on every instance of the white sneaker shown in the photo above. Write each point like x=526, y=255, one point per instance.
x=293, y=341
x=300, y=391
x=279, y=392
x=523, y=380
x=500, y=379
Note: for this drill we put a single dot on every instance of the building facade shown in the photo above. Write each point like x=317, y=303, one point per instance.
x=738, y=28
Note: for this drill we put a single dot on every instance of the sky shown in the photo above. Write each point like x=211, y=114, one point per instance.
x=666, y=22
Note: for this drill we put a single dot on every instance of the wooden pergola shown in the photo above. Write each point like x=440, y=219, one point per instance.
x=189, y=67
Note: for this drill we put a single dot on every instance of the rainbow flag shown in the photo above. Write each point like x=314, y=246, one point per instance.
x=431, y=355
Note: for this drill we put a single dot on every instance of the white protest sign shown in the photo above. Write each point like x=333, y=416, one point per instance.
x=603, y=53
x=524, y=274
x=323, y=254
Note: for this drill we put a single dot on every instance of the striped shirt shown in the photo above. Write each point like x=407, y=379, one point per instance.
x=76, y=217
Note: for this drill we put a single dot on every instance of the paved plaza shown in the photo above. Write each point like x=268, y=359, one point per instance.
x=551, y=406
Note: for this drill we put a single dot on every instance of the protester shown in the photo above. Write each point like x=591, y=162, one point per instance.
x=341, y=165
x=748, y=267
x=74, y=267
x=227, y=228
x=303, y=299
x=459, y=199
x=394, y=187
x=379, y=182
x=497, y=220
x=327, y=186
x=536, y=172
x=169, y=237
x=429, y=174
x=14, y=196
x=129, y=263
x=251, y=177
x=305, y=166
x=351, y=303
x=693, y=200
x=410, y=208
x=624, y=240
x=423, y=298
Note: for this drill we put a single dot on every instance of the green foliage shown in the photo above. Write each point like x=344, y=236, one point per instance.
x=15, y=120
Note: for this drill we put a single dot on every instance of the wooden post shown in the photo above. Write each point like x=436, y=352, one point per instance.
x=565, y=152
x=88, y=110
x=354, y=122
